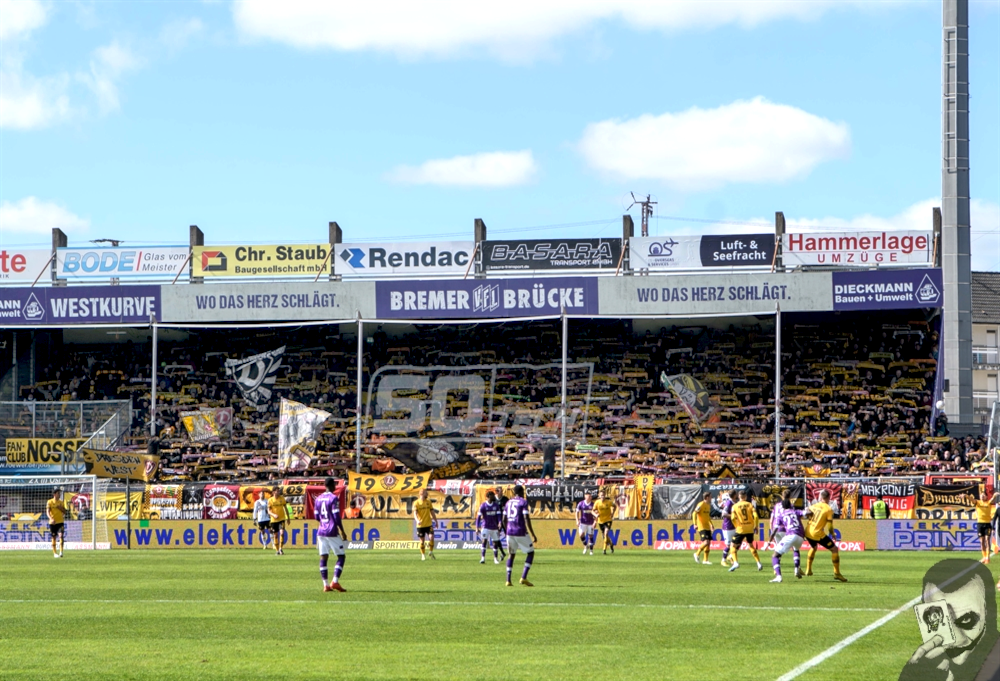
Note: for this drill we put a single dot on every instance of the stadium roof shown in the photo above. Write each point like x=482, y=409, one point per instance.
x=986, y=297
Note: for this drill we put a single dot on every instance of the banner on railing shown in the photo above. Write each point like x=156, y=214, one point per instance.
x=857, y=249
x=261, y=261
x=389, y=483
x=23, y=265
x=421, y=257
x=551, y=254
x=121, y=263
x=123, y=465
x=656, y=253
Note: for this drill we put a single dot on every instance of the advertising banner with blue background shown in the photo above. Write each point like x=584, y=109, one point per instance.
x=887, y=289
x=79, y=305
x=479, y=298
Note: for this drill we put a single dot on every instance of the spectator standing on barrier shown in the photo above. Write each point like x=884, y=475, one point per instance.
x=424, y=515
x=278, y=514
x=262, y=517
x=55, y=510
x=880, y=509
x=548, y=461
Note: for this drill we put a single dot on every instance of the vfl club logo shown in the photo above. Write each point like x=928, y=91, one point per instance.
x=486, y=298
x=928, y=292
x=33, y=310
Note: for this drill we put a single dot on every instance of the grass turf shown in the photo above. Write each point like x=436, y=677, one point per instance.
x=186, y=614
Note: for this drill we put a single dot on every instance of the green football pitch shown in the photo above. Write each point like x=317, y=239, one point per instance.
x=636, y=615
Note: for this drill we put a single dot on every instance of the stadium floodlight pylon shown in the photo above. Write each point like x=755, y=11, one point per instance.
x=23, y=521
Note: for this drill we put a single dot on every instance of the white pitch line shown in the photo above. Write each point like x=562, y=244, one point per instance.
x=654, y=606
x=833, y=650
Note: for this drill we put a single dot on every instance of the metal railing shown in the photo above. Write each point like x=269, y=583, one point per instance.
x=982, y=354
x=54, y=420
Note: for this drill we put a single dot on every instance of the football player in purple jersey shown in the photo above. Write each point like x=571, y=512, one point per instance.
x=331, y=536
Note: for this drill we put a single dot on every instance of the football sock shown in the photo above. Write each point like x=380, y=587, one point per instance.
x=776, y=564
x=753, y=552
x=798, y=559
x=482, y=554
x=725, y=553
x=527, y=564
x=510, y=565
x=432, y=544
x=705, y=549
x=985, y=552
x=496, y=548
x=338, y=569
x=735, y=552
x=323, y=572
x=835, y=557
x=422, y=549
x=606, y=542
x=809, y=559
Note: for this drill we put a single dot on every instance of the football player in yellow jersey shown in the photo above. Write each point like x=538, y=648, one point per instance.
x=702, y=518
x=818, y=531
x=745, y=520
x=605, y=509
x=984, y=522
x=55, y=510
x=425, y=516
x=276, y=509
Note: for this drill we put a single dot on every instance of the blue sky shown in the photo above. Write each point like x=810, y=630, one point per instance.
x=261, y=122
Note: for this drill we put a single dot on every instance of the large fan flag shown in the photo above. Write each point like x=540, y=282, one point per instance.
x=255, y=375
x=208, y=424
x=298, y=430
x=691, y=393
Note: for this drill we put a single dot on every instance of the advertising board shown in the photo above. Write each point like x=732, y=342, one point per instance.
x=277, y=260
x=887, y=289
x=464, y=299
x=857, y=249
x=121, y=263
x=420, y=257
x=551, y=254
x=79, y=305
x=273, y=301
x=720, y=293
x=708, y=250
x=23, y=264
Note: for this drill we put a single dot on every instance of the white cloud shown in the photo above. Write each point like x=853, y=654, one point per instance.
x=746, y=141
x=494, y=169
x=107, y=65
x=176, y=34
x=514, y=29
x=29, y=102
x=19, y=17
x=30, y=216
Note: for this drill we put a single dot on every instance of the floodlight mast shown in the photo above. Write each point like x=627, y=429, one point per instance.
x=647, y=211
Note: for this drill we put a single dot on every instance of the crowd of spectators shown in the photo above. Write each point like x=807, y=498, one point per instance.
x=857, y=394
